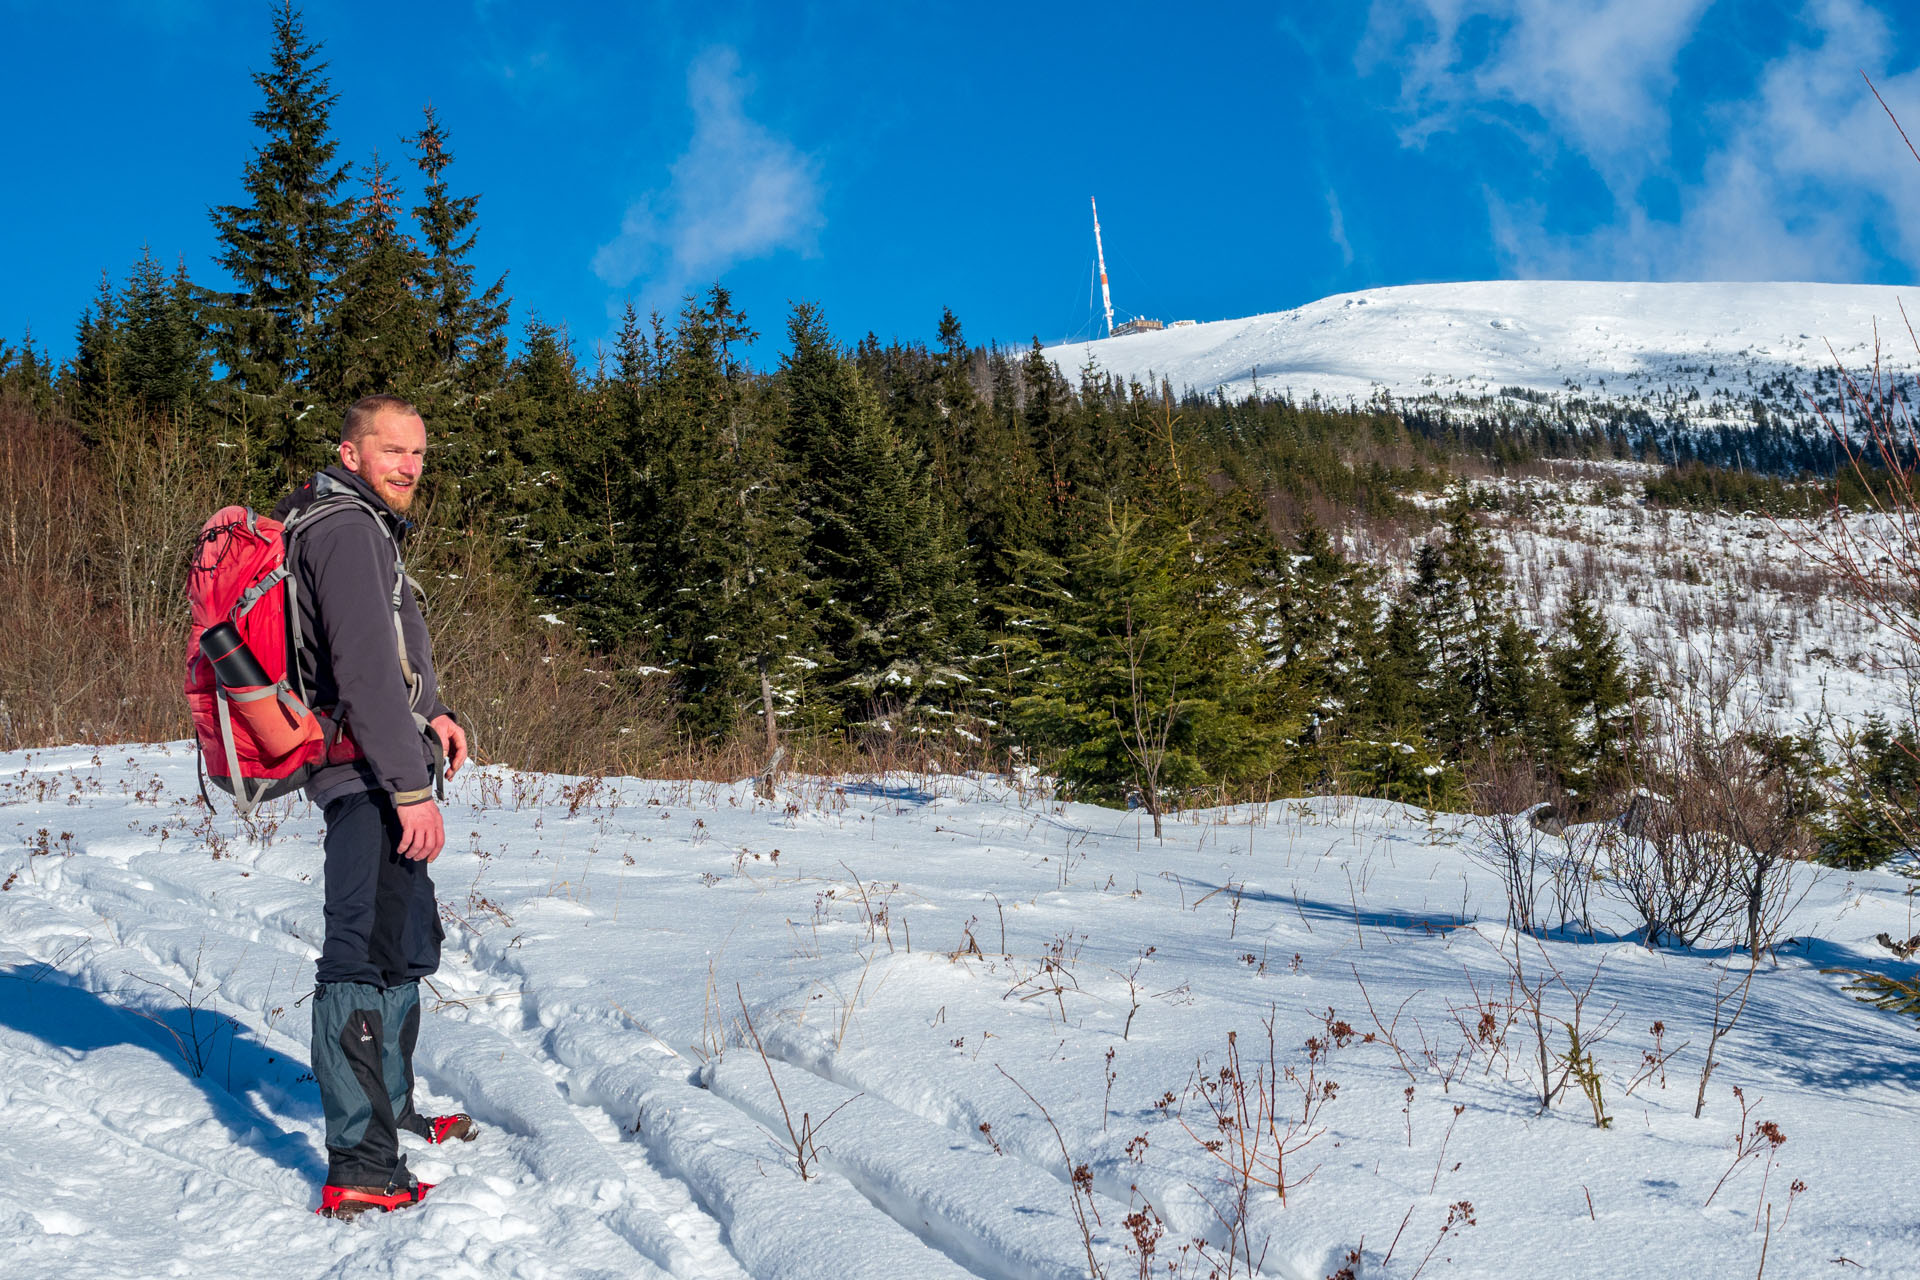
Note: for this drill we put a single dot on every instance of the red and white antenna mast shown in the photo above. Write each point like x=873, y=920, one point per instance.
x=1106, y=298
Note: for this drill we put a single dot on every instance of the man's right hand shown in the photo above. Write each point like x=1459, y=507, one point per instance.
x=422, y=832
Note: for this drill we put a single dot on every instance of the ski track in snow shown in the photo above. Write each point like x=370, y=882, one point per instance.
x=587, y=1016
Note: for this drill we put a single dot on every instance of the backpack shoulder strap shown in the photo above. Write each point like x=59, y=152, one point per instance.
x=331, y=501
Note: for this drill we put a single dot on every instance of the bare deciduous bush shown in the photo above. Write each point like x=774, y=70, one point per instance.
x=1532, y=1002
x=1509, y=794
x=198, y=1032
x=1678, y=878
x=94, y=543
x=1254, y=1121
x=1729, y=1002
x=1576, y=874
x=1720, y=845
x=1668, y=860
x=1764, y=809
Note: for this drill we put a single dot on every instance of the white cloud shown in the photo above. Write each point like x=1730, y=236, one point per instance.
x=1337, y=228
x=1802, y=174
x=738, y=192
x=1598, y=73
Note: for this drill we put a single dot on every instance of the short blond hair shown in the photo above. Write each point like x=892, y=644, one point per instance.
x=358, y=424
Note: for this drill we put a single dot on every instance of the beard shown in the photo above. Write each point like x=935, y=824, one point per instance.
x=398, y=498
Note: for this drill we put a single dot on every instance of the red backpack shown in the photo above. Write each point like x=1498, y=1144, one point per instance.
x=258, y=741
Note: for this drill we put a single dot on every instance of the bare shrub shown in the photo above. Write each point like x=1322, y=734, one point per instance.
x=1533, y=1002
x=1254, y=1120
x=1509, y=794
x=1763, y=808
x=1729, y=1002
x=1546, y=868
x=93, y=542
x=199, y=1033
x=1576, y=874
x=802, y=1139
x=1719, y=846
x=1668, y=860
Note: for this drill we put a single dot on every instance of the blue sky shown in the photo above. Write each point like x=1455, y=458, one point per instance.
x=887, y=160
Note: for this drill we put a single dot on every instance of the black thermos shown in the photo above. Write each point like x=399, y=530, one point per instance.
x=234, y=665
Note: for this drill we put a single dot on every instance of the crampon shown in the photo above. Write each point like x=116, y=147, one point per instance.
x=458, y=1127
x=351, y=1202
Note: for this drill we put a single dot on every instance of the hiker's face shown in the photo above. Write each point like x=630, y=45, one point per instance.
x=389, y=457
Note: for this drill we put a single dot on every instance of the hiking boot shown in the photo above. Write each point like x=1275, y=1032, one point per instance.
x=458, y=1127
x=351, y=1202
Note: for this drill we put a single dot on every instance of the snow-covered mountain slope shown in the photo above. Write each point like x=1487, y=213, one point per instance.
x=1698, y=351
x=927, y=962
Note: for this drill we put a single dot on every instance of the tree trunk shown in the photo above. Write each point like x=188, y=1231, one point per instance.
x=764, y=784
x=766, y=710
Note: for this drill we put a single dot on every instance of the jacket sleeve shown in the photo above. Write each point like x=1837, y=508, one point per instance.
x=350, y=561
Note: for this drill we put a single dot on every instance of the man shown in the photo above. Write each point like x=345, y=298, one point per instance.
x=366, y=659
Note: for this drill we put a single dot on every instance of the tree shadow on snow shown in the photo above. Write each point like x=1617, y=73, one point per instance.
x=40, y=1003
x=1837, y=1043
x=898, y=791
x=1335, y=913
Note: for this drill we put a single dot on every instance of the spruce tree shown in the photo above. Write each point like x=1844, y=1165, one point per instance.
x=815, y=386
x=166, y=360
x=140, y=349
x=27, y=372
x=1876, y=812
x=1002, y=496
x=375, y=340
x=282, y=247
x=1396, y=700
x=514, y=479
x=891, y=582
x=1321, y=618
x=1458, y=592
x=1049, y=435
x=1526, y=718
x=604, y=555
x=1143, y=685
x=466, y=330
x=1595, y=689
x=96, y=378
x=731, y=604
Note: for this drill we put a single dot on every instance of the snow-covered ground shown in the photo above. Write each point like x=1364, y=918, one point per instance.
x=1730, y=610
x=1693, y=352
x=917, y=956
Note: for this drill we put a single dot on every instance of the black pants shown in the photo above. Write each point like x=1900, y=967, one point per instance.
x=383, y=935
x=383, y=923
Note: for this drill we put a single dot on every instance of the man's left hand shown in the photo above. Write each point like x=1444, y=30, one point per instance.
x=453, y=742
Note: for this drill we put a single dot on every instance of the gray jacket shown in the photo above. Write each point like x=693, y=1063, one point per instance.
x=343, y=566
